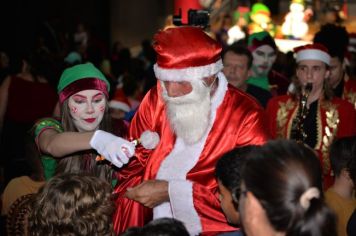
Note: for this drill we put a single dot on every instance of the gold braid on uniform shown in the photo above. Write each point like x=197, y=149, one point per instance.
x=332, y=122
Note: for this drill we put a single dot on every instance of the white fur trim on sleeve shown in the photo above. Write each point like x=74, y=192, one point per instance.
x=181, y=196
x=187, y=74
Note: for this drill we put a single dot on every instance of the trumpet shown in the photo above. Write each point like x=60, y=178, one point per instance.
x=298, y=132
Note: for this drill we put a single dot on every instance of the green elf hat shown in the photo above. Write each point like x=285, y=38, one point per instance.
x=81, y=77
x=259, y=39
x=260, y=8
x=298, y=1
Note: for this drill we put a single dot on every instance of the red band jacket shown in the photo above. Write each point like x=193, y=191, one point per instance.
x=335, y=118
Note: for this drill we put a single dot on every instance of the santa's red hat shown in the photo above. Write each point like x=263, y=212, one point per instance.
x=312, y=52
x=120, y=101
x=185, y=54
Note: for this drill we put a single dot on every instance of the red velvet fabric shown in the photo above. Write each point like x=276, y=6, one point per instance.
x=173, y=51
x=315, y=46
x=83, y=84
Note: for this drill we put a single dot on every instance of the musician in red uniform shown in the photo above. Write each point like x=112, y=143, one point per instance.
x=324, y=116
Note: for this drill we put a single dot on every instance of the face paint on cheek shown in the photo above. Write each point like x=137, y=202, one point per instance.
x=102, y=109
x=74, y=109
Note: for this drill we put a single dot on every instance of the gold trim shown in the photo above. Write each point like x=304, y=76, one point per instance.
x=331, y=127
x=319, y=125
x=290, y=121
x=282, y=117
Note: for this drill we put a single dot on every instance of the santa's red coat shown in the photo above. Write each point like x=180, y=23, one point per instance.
x=236, y=121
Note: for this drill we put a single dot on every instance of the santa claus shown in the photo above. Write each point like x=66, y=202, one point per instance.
x=198, y=117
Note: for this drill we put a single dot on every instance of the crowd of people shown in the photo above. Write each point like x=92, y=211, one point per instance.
x=242, y=148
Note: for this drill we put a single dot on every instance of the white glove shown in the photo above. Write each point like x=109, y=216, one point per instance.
x=115, y=149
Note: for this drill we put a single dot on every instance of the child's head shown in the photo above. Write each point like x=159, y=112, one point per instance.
x=72, y=204
x=161, y=226
x=343, y=157
x=281, y=189
x=227, y=171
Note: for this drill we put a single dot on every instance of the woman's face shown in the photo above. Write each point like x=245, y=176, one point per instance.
x=87, y=109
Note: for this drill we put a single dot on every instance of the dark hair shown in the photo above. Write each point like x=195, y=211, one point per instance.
x=148, y=51
x=84, y=161
x=72, y=204
x=239, y=49
x=33, y=159
x=343, y=155
x=336, y=46
x=228, y=167
x=278, y=174
x=159, y=227
x=38, y=64
x=130, y=85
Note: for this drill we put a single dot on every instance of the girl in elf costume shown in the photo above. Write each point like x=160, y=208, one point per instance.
x=72, y=144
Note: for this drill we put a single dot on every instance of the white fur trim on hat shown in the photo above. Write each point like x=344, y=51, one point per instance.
x=119, y=105
x=187, y=74
x=313, y=54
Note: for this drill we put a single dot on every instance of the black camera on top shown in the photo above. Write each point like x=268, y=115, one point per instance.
x=198, y=18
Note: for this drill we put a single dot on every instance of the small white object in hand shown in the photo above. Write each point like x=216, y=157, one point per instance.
x=149, y=139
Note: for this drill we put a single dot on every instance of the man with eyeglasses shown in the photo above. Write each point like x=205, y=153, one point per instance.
x=314, y=117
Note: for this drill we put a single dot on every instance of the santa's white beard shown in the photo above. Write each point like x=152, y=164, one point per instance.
x=189, y=114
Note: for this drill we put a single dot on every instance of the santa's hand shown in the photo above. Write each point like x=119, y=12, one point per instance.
x=115, y=149
x=149, y=193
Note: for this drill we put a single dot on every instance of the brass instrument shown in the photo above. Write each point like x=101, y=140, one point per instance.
x=297, y=132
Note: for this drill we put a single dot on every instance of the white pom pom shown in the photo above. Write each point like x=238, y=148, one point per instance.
x=149, y=139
